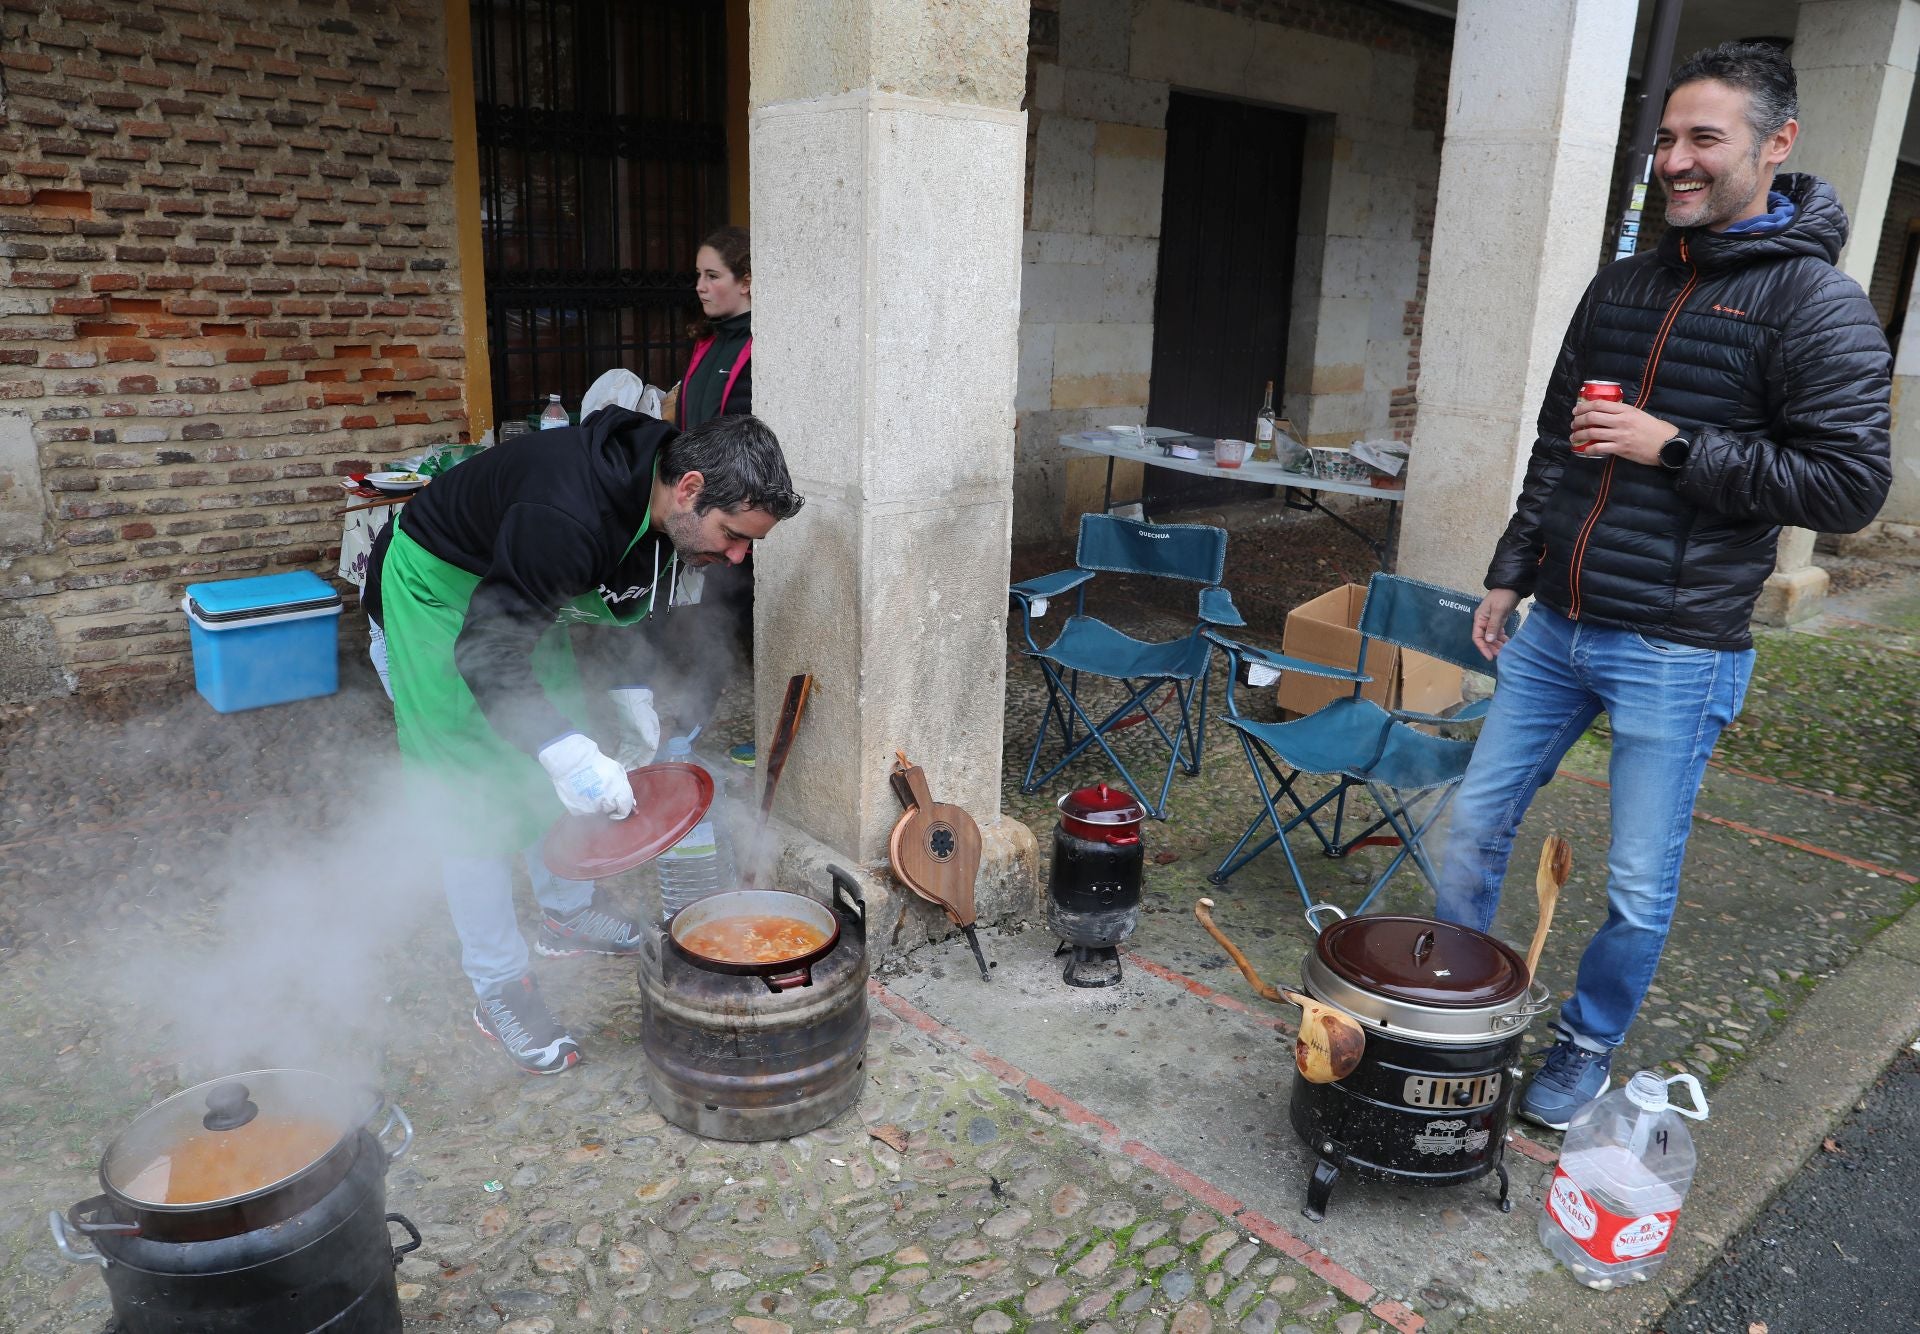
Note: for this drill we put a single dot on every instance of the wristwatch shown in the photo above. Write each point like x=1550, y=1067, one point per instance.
x=1673, y=454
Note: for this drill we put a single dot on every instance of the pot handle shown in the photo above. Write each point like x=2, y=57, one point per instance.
x=77, y=1220
x=846, y=893
x=779, y=982
x=1319, y=908
x=64, y=1244
x=1539, y=1000
x=395, y=1115
x=412, y=1231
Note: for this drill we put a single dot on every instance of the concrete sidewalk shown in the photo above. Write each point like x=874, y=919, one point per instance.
x=184, y=895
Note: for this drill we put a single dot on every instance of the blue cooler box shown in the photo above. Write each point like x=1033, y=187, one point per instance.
x=264, y=641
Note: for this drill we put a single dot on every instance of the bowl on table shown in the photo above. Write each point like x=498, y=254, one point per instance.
x=1230, y=453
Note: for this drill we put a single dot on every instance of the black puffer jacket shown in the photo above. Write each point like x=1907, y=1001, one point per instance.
x=1773, y=363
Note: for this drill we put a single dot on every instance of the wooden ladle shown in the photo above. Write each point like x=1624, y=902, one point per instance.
x=1556, y=864
x=1330, y=1041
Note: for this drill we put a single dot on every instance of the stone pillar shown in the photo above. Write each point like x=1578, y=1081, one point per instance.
x=1533, y=117
x=1898, y=528
x=1855, y=61
x=888, y=160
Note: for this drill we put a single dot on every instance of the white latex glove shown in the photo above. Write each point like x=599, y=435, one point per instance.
x=640, y=725
x=588, y=782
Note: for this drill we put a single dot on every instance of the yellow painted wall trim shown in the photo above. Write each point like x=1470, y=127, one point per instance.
x=466, y=209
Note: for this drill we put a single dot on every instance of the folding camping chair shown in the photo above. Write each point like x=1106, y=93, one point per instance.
x=1410, y=773
x=1087, y=646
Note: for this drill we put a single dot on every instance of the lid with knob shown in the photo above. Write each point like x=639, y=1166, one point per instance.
x=1102, y=812
x=233, y=1138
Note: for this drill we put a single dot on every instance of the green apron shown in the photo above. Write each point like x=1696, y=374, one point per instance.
x=492, y=797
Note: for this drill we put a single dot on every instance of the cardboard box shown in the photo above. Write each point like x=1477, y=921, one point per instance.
x=1325, y=631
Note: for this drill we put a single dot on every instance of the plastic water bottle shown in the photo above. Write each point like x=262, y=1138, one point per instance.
x=1623, y=1174
x=554, y=415
x=698, y=864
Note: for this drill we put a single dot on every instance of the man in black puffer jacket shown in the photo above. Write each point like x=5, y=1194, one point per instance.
x=1756, y=381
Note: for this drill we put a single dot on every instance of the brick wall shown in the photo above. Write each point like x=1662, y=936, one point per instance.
x=227, y=277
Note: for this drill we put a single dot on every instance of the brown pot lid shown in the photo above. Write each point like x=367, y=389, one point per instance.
x=233, y=1138
x=668, y=801
x=1423, y=961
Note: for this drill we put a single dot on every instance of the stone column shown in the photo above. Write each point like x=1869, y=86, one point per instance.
x=1533, y=117
x=1898, y=528
x=1855, y=61
x=888, y=159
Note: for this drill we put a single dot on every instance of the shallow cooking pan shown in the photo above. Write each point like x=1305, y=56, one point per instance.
x=782, y=974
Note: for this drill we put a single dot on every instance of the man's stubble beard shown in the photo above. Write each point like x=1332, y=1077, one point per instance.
x=1719, y=207
x=683, y=530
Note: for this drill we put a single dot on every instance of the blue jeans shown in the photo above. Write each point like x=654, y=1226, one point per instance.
x=1667, y=704
x=480, y=896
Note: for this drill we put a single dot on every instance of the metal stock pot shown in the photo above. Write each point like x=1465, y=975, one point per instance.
x=1445, y=1008
x=1420, y=979
x=249, y=1205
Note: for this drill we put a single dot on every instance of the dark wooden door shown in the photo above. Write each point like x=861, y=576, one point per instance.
x=603, y=162
x=1229, y=218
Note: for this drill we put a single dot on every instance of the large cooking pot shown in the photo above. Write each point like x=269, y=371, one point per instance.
x=1445, y=1008
x=1420, y=978
x=736, y=1054
x=254, y=1203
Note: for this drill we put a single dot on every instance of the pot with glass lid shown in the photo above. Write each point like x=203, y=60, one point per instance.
x=253, y=1203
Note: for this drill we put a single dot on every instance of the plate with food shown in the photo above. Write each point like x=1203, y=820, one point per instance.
x=395, y=483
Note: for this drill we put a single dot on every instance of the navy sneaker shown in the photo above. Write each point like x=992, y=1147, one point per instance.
x=516, y=1017
x=1571, y=1078
x=588, y=931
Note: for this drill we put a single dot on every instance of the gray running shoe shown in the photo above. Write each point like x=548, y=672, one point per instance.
x=588, y=931
x=516, y=1017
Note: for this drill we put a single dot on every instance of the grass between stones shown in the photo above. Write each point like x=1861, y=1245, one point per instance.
x=1835, y=712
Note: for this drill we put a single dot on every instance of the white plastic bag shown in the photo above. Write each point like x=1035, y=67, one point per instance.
x=625, y=389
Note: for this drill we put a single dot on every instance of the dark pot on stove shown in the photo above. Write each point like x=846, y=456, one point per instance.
x=1093, y=889
x=256, y=1203
x=1445, y=1009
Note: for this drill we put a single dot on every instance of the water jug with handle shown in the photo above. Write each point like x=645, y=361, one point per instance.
x=1623, y=1174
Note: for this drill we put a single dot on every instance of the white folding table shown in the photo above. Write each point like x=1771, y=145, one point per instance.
x=1300, y=491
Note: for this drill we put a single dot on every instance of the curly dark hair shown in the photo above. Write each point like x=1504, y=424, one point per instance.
x=1759, y=69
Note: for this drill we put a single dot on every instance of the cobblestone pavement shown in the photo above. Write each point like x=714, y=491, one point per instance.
x=183, y=896
x=569, y=1204
x=153, y=888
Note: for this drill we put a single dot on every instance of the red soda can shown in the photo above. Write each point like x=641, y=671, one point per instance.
x=1604, y=391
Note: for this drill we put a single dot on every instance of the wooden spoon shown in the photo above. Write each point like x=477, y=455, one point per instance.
x=1556, y=864
x=1330, y=1041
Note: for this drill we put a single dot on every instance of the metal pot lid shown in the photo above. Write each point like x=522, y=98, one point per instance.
x=1423, y=961
x=233, y=1138
x=1102, y=805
